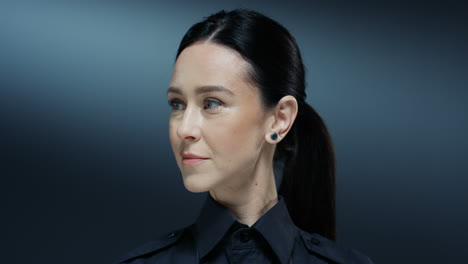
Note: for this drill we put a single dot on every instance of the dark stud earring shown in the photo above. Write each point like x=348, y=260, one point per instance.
x=274, y=136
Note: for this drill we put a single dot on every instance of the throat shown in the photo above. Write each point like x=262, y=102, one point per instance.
x=249, y=214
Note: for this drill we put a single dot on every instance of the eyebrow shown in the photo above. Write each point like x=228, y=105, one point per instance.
x=202, y=89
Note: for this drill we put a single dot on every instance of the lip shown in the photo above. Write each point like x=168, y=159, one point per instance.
x=191, y=159
x=188, y=155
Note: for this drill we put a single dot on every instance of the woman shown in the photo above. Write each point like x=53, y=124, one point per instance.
x=237, y=95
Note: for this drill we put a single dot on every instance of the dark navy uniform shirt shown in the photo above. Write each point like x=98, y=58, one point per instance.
x=217, y=237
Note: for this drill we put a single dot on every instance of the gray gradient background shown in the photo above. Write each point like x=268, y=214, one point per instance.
x=87, y=172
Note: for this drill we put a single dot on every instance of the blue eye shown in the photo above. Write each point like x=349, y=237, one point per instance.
x=212, y=104
x=175, y=104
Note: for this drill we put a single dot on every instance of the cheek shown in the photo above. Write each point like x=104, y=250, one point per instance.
x=234, y=139
x=173, y=136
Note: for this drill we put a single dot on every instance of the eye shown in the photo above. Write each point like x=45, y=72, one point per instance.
x=212, y=104
x=176, y=104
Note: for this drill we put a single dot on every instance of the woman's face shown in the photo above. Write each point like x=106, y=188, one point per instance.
x=216, y=115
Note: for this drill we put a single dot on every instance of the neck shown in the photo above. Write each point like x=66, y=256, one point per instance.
x=248, y=201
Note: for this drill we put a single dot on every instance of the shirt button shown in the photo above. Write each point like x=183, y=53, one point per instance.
x=244, y=237
x=171, y=235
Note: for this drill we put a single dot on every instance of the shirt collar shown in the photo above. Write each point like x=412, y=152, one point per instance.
x=278, y=229
x=211, y=225
x=275, y=226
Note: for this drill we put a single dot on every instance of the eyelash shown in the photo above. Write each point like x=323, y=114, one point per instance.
x=173, y=102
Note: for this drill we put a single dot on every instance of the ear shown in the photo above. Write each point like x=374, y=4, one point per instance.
x=282, y=118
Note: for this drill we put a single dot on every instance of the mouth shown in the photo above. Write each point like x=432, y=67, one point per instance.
x=191, y=159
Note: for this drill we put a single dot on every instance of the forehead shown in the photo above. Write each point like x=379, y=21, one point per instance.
x=207, y=63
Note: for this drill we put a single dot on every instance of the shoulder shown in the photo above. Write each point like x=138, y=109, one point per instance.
x=159, y=245
x=331, y=250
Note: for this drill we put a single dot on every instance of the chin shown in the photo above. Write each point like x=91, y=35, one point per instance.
x=195, y=184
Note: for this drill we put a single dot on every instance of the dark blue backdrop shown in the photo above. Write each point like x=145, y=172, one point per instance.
x=87, y=171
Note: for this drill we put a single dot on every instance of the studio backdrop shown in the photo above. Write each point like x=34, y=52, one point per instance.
x=87, y=170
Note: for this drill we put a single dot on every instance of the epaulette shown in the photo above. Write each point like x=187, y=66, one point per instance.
x=329, y=249
x=153, y=246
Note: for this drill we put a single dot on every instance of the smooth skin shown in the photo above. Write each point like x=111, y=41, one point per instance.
x=217, y=114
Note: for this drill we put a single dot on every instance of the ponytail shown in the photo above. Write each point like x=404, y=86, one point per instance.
x=308, y=183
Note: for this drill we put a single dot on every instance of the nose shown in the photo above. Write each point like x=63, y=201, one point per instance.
x=189, y=127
